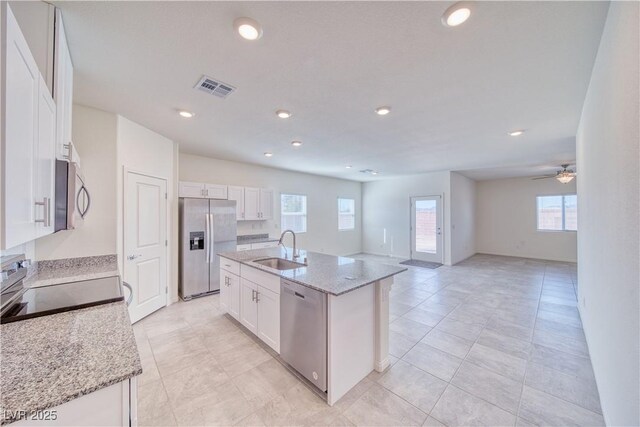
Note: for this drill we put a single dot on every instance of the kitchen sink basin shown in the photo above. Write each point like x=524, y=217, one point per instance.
x=279, y=263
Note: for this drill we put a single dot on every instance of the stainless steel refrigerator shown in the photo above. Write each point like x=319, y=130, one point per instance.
x=207, y=227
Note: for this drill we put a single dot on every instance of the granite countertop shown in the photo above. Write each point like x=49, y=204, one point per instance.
x=256, y=238
x=44, y=273
x=50, y=360
x=330, y=274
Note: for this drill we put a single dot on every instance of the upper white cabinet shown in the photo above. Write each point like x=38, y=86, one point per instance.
x=215, y=191
x=45, y=162
x=258, y=203
x=202, y=191
x=237, y=194
x=28, y=123
x=63, y=92
x=252, y=203
x=266, y=203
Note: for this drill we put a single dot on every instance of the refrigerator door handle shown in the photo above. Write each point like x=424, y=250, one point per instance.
x=211, y=238
x=207, y=238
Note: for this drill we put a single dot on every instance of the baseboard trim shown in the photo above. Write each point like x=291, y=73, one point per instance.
x=526, y=257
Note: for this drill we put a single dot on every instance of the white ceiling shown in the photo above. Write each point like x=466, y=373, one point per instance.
x=454, y=92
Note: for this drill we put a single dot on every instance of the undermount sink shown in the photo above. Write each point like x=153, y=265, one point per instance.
x=280, y=264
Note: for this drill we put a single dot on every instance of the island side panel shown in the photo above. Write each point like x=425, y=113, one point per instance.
x=351, y=341
x=382, y=289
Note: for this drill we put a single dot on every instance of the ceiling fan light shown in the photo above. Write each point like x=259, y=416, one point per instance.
x=564, y=177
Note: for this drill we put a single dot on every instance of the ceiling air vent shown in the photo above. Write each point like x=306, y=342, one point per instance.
x=214, y=87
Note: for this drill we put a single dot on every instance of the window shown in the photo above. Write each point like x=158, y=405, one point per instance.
x=558, y=213
x=293, y=212
x=346, y=214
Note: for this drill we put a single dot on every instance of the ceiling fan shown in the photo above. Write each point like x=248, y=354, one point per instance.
x=565, y=176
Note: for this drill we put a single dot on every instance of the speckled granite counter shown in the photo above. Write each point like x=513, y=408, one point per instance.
x=44, y=273
x=50, y=360
x=330, y=274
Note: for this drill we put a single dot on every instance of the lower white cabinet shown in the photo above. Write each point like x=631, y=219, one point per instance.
x=253, y=298
x=264, y=245
x=268, y=303
x=115, y=405
x=248, y=305
x=230, y=293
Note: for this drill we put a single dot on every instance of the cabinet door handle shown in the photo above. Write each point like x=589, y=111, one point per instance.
x=257, y=297
x=253, y=295
x=46, y=210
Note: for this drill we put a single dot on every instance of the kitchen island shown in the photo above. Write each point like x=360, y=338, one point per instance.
x=356, y=314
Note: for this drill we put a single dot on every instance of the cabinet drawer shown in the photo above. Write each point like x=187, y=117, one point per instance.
x=262, y=278
x=243, y=248
x=264, y=245
x=232, y=267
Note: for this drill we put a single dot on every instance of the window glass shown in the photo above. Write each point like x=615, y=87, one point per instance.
x=557, y=213
x=293, y=212
x=346, y=214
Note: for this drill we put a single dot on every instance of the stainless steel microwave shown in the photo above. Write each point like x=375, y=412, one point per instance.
x=72, y=197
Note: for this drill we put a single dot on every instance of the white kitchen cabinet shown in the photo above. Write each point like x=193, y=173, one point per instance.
x=26, y=165
x=237, y=193
x=215, y=191
x=200, y=190
x=243, y=248
x=191, y=189
x=264, y=245
x=115, y=405
x=248, y=306
x=251, y=203
x=63, y=91
x=266, y=203
x=230, y=293
x=268, y=303
x=45, y=157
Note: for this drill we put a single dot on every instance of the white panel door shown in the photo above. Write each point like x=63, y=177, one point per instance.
x=63, y=90
x=45, y=161
x=145, y=247
x=269, y=317
x=216, y=191
x=266, y=203
x=191, y=189
x=426, y=229
x=20, y=123
x=234, y=296
x=237, y=194
x=251, y=203
x=248, y=306
x=225, y=292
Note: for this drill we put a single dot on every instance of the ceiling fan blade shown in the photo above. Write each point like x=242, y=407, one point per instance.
x=543, y=177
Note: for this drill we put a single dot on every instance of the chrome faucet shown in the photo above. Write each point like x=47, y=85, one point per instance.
x=295, y=252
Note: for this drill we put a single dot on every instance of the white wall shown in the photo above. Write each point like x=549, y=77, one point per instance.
x=608, y=216
x=386, y=207
x=94, y=134
x=463, y=218
x=322, y=206
x=506, y=220
x=144, y=151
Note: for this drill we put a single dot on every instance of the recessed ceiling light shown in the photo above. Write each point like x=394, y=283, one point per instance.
x=456, y=14
x=383, y=111
x=185, y=114
x=348, y=166
x=296, y=143
x=268, y=154
x=374, y=173
x=516, y=132
x=248, y=28
x=283, y=114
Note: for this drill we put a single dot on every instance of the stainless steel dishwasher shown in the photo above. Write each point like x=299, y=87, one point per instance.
x=303, y=331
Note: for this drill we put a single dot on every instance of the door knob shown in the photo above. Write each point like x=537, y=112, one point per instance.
x=132, y=257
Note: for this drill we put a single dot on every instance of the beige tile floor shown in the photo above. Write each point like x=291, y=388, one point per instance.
x=491, y=341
